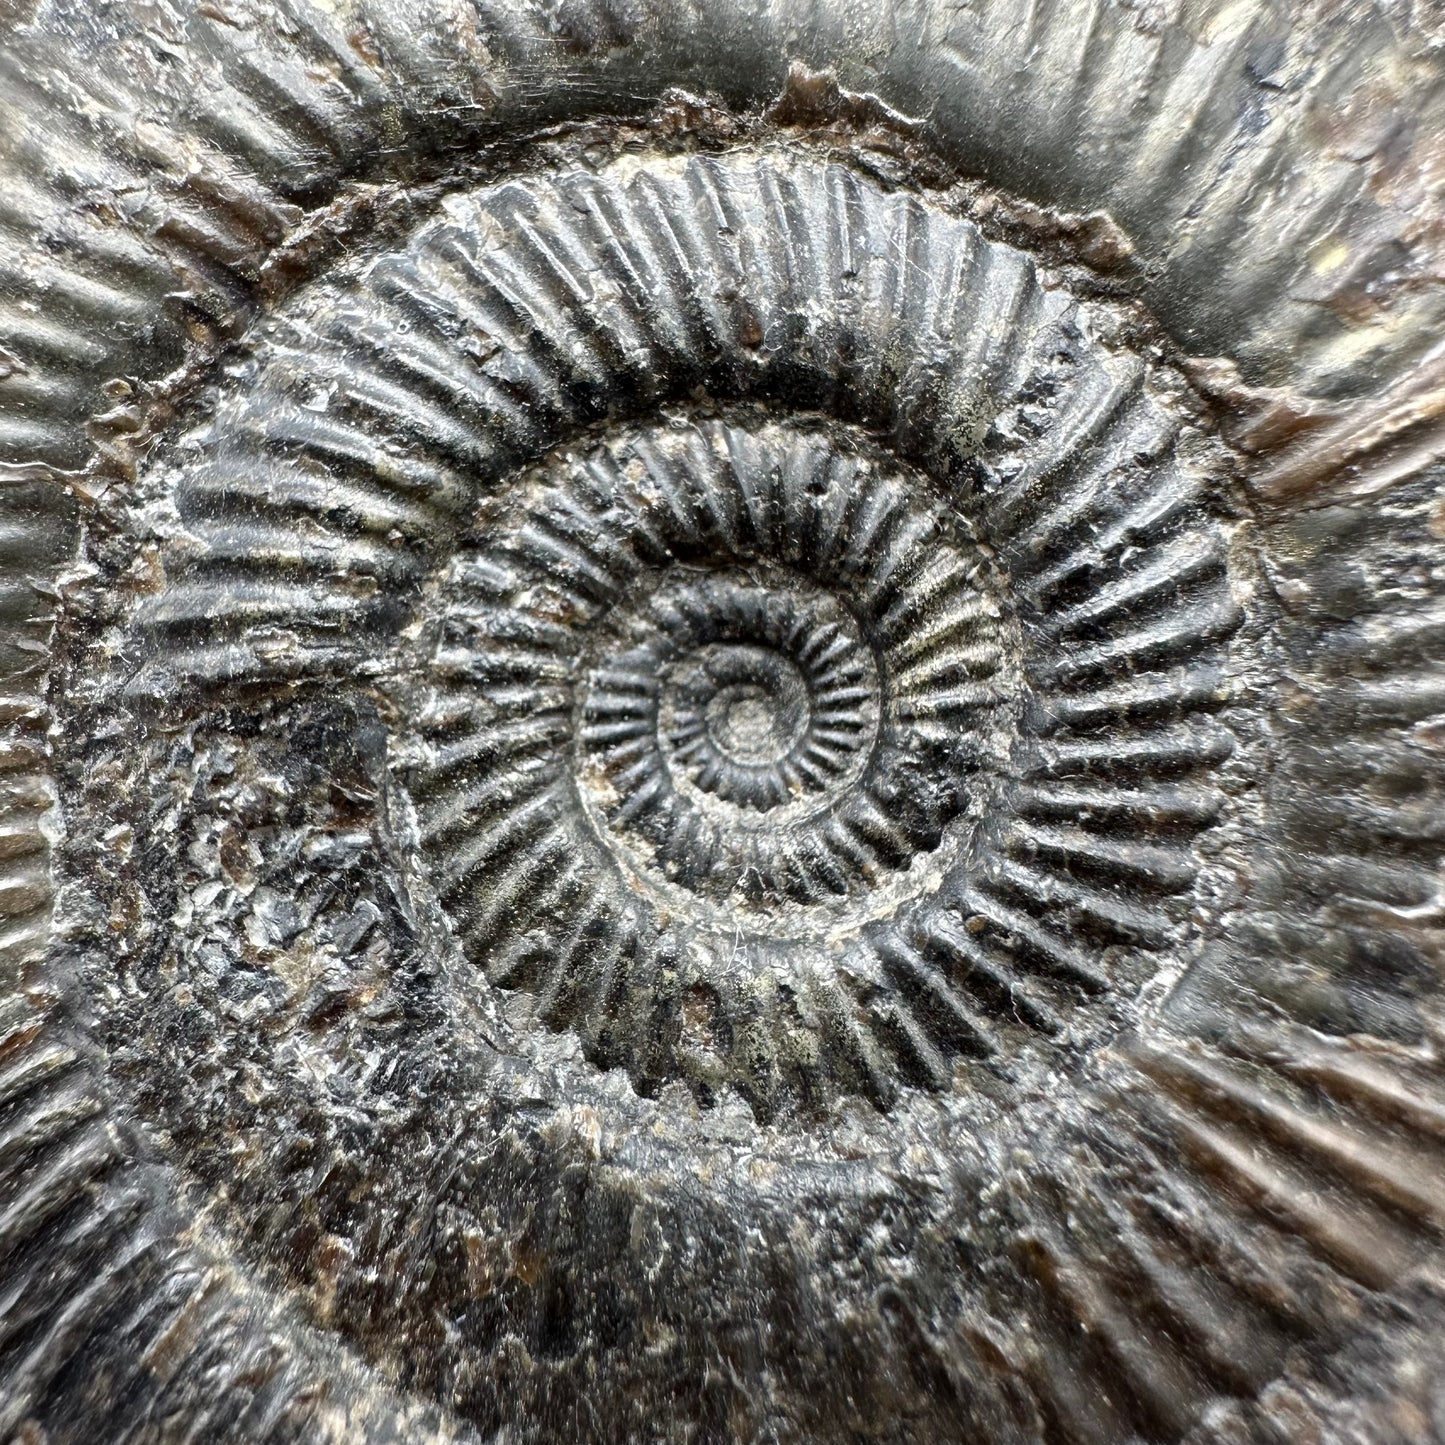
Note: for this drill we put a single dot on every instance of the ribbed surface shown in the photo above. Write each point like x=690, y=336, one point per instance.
x=1259, y=1192
x=1250, y=207
x=1058, y=699
x=1160, y=1230
x=734, y=569
x=1292, y=1174
x=103, y=1318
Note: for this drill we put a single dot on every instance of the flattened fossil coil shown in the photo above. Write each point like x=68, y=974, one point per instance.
x=707, y=789
x=980, y=676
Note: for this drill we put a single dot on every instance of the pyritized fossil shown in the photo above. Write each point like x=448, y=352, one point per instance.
x=708, y=786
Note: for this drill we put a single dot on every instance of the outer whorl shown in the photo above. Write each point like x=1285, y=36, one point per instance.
x=741, y=762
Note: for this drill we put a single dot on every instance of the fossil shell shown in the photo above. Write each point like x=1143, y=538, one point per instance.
x=725, y=724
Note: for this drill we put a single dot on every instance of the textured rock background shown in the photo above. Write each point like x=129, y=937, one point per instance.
x=724, y=723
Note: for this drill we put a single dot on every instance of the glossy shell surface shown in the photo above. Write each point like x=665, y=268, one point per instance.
x=724, y=722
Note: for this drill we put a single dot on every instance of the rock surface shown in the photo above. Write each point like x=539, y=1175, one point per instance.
x=725, y=723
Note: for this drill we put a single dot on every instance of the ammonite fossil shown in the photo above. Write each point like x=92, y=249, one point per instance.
x=725, y=722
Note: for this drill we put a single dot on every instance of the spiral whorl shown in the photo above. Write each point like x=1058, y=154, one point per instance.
x=686, y=787
x=794, y=740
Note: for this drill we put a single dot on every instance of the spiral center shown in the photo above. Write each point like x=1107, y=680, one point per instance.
x=713, y=703
x=766, y=696
x=752, y=725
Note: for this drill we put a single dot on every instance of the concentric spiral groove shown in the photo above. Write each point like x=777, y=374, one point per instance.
x=1036, y=606
x=685, y=808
